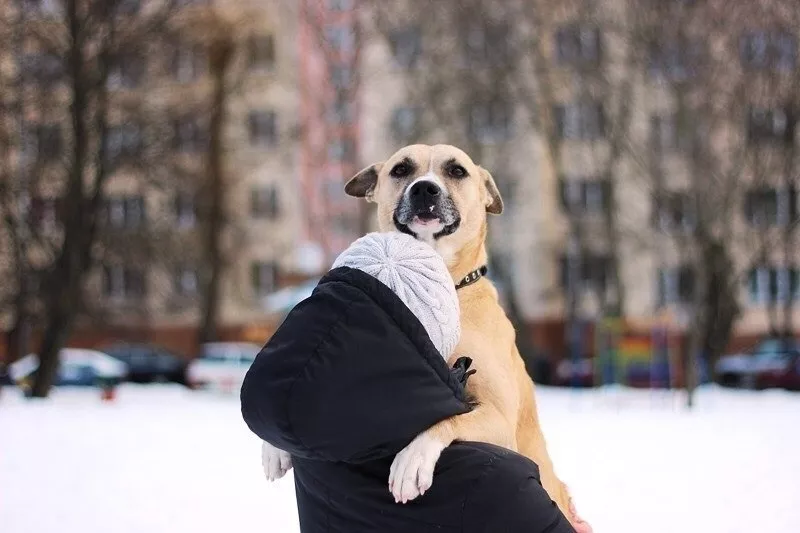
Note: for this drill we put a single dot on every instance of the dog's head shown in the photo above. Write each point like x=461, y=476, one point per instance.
x=435, y=193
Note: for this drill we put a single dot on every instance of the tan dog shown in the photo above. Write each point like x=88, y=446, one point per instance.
x=439, y=195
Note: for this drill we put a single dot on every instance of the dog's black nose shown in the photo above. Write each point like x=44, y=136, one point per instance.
x=425, y=190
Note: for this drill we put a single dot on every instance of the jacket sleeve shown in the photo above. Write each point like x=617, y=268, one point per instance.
x=530, y=510
x=341, y=381
x=509, y=497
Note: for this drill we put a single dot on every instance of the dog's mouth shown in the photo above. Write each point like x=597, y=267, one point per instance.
x=426, y=226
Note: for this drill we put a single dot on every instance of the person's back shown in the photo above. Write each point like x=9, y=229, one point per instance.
x=352, y=375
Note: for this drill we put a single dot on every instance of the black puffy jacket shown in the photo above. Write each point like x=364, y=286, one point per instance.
x=345, y=383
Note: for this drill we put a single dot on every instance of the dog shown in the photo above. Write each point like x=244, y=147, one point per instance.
x=439, y=195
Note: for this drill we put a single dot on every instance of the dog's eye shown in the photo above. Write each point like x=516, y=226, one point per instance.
x=400, y=170
x=457, y=171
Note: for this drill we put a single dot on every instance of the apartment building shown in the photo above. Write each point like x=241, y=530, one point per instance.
x=324, y=88
x=153, y=217
x=554, y=234
x=329, y=48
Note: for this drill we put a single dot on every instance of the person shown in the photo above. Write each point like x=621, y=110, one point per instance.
x=354, y=373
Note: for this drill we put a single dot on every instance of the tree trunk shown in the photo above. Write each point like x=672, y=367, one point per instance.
x=55, y=336
x=721, y=304
x=788, y=250
x=220, y=58
x=696, y=335
x=63, y=281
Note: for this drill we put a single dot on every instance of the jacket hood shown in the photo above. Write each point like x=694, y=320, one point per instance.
x=351, y=375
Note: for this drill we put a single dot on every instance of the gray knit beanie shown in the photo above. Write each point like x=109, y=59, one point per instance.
x=417, y=275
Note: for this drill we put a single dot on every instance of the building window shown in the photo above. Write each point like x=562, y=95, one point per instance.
x=344, y=223
x=507, y=187
x=580, y=121
x=584, y=197
x=589, y=270
x=128, y=7
x=261, y=52
x=404, y=123
x=340, y=39
x=770, y=207
x=42, y=214
x=122, y=282
x=341, y=76
x=189, y=135
x=185, y=210
x=406, y=46
x=675, y=60
x=768, y=50
x=675, y=285
x=185, y=283
x=673, y=212
x=341, y=112
x=665, y=136
x=771, y=284
x=264, y=202
x=342, y=150
x=43, y=68
x=188, y=62
x=190, y=3
x=42, y=7
x=490, y=122
x=264, y=278
x=127, y=73
x=262, y=127
x=125, y=212
x=770, y=125
x=123, y=142
x=334, y=190
x=487, y=44
x=340, y=5
x=42, y=142
x=578, y=45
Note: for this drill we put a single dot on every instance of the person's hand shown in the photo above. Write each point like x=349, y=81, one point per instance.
x=580, y=525
x=275, y=461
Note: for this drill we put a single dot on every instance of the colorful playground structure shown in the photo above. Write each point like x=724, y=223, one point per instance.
x=644, y=355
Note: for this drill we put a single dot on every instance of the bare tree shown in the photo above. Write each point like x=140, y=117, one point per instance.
x=502, y=77
x=719, y=99
x=77, y=53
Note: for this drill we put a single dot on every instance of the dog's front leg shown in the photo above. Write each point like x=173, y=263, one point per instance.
x=411, y=473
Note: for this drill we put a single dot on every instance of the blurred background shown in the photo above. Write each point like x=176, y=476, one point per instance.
x=172, y=182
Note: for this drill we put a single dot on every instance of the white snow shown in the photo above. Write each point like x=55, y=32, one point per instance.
x=164, y=459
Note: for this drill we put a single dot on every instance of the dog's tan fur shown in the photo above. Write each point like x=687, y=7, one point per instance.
x=507, y=413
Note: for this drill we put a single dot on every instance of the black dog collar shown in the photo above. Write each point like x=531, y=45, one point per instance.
x=472, y=277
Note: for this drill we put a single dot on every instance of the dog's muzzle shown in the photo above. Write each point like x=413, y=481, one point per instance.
x=425, y=202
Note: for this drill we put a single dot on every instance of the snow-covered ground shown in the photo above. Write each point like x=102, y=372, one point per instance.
x=163, y=459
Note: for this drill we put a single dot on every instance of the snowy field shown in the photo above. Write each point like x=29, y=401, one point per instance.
x=168, y=460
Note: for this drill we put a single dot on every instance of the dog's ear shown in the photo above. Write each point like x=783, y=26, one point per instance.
x=494, y=203
x=362, y=185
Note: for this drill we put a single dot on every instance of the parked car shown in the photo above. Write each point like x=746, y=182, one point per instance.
x=77, y=367
x=571, y=373
x=787, y=377
x=148, y=363
x=222, y=365
x=760, y=367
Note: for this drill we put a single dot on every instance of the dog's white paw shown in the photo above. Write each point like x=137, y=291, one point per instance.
x=411, y=473
x=275, y=461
